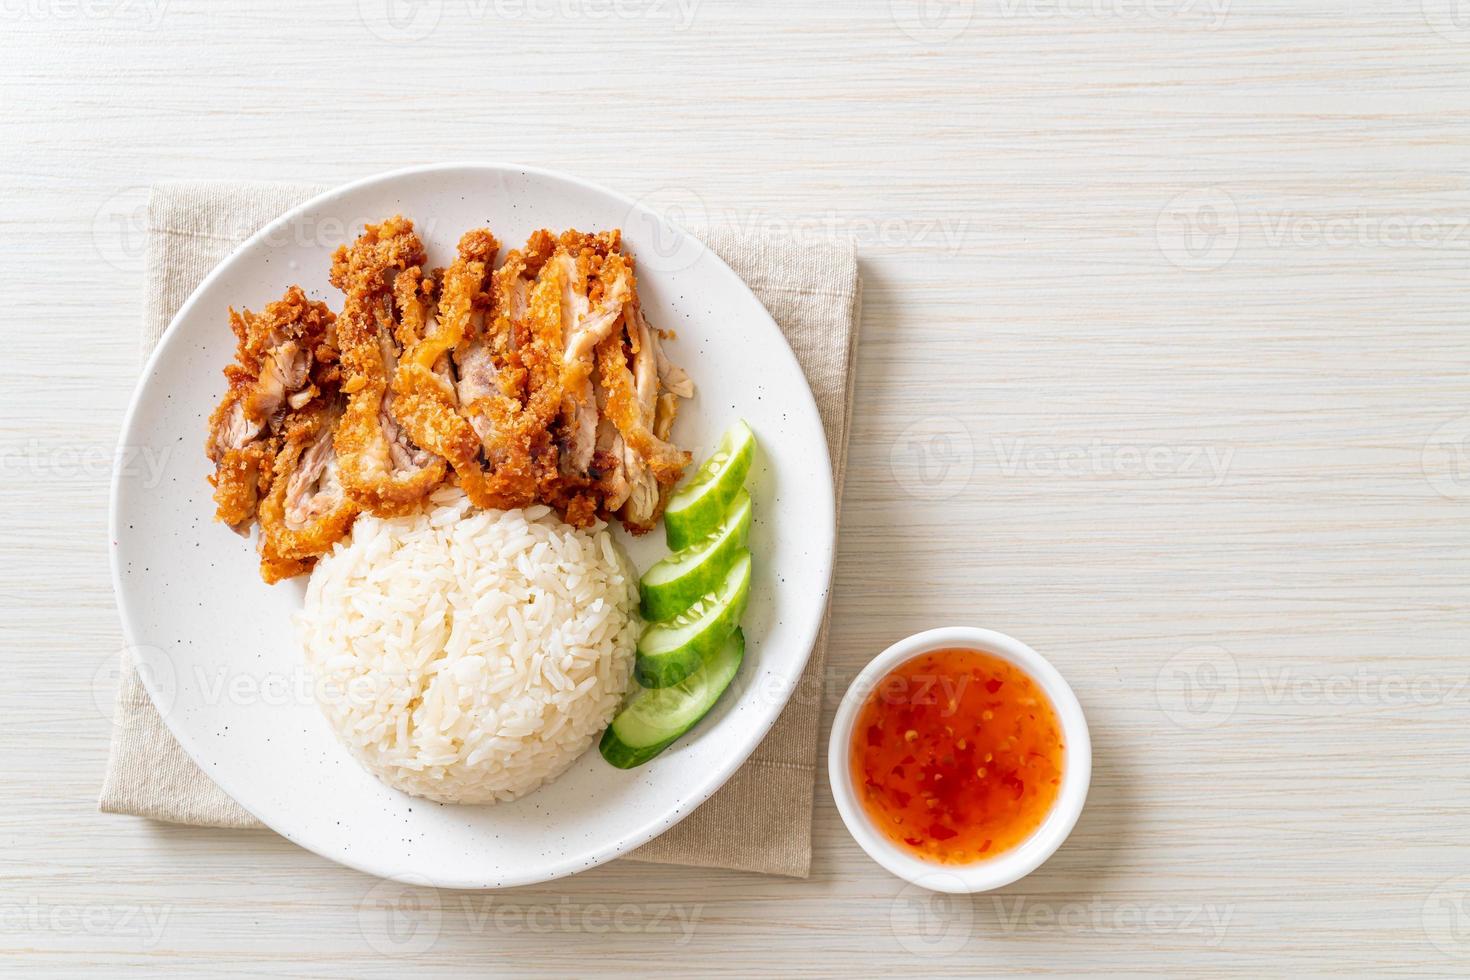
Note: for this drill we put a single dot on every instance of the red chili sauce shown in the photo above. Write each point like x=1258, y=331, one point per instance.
x=957, y=756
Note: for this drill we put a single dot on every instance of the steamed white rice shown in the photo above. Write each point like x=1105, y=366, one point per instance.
x=470, y=656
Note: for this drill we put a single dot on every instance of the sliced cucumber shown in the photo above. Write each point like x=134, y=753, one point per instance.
x=670, y=651
x=678, y=582
x=654, y=717
x=700, y=505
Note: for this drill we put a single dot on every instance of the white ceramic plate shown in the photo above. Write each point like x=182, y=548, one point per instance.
x=215, y=645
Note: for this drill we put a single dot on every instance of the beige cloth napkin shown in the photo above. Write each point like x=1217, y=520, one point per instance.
x=761, y=819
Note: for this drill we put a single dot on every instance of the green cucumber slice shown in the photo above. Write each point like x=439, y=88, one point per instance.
x=654, y=717
x=678, y=582
x=700, y=505
x=670, y=651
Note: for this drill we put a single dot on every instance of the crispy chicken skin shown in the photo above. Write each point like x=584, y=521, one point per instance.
x=584, y=288
x=272, y=374
x=383, y=471
x=307, y=510
x=539, y=381
x=595, y=282
x=270, y=436
x=493, y=376
x=428, y=401
x=628, y=371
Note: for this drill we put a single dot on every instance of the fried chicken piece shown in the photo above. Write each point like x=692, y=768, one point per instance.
x=541, y=351
x=428, y=401
x=308, y=509
x=241, y=477
x=272, y=374
x=539, y=381
x=628, y=372
x=595, y=370
x=592, y=308
x=493, y=385
x=608, y=466
x=383, y=470
x=492, y=374
x=582, y=286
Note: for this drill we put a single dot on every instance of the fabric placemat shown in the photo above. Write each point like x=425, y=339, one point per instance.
x=760, y=820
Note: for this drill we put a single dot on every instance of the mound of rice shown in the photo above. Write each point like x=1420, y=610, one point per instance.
x=469, y=657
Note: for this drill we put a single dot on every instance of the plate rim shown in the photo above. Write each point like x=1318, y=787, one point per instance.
x=719, y=774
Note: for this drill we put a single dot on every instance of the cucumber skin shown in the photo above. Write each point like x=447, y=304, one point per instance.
x=662, y=602
x=681, y=529
x=624, y=756
x=667, y=669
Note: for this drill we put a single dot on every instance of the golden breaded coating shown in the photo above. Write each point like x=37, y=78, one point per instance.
x=308, y=509
x=540, y=381
x=272, y=375
x=427, y=399
x=578, y=305
x=382, y=470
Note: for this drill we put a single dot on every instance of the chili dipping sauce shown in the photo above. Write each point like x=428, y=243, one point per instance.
x=957, y=756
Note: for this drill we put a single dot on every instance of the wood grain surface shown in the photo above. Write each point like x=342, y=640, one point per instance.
x=1163, y=370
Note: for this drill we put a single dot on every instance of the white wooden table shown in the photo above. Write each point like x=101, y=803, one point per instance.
x=1165, y=369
